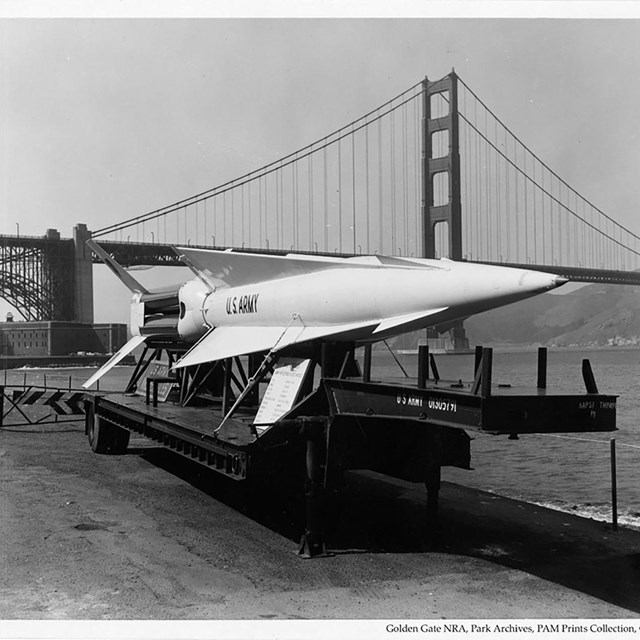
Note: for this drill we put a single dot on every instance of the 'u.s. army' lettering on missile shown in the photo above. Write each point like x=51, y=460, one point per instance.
x=243, y=304
x=306, y=298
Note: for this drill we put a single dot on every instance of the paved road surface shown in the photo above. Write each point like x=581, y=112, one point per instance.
x=149, y=536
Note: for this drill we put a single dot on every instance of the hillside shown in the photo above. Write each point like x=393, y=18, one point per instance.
x=595, y=315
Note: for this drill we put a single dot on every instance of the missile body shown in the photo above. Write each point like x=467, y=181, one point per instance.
x=371, y=297
x=356, y=299
x=241, y=303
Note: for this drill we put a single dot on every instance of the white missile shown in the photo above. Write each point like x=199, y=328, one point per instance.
x=243, y=303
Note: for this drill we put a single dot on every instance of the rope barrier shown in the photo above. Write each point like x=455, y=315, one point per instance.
x=555, y=435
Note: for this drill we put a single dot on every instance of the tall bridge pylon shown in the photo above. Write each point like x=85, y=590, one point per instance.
x=441, y=202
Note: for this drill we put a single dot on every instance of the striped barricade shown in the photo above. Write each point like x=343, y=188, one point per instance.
x=37, y=405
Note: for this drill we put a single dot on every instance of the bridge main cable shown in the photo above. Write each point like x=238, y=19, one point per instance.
x=271, y=167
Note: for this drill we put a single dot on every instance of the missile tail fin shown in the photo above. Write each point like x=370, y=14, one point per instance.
x=126, y=278
x=227, y=342
x=233, y=268
x=136, y=341
x=404, y=320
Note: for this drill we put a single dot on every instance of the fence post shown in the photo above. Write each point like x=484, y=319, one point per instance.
x=487, y=362
x=614, y=486
x=423, y=365
x=477, y=361
x=366, y=373
x=588, y=377
x=542, y=368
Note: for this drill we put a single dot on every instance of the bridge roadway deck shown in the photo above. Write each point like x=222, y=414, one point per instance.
x=133, y=254
x=130, y=254
x=577, y=274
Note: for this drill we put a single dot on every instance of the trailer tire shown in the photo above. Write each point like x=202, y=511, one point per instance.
x=106, y=437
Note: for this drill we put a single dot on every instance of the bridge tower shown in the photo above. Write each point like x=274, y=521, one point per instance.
x=441, y=191
x=82, y=276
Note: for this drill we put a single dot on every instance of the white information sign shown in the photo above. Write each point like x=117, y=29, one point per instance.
x=155, y=369
x=282, y=391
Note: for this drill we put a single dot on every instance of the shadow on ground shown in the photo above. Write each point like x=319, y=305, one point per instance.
x=377, y=514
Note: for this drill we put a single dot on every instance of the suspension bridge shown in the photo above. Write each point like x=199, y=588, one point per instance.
x=431, y=173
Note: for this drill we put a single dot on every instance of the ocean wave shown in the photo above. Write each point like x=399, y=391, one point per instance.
x=54, y=367
x=598, y=512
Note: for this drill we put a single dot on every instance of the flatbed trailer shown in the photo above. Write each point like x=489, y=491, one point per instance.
x=343, y=421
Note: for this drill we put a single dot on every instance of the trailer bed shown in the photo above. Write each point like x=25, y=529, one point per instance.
x=194, y=431
x=344, y=422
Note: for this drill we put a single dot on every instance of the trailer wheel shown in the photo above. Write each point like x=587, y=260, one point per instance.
x=106, y=437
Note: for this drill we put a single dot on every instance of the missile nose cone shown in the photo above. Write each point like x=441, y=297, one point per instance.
x=540, y=281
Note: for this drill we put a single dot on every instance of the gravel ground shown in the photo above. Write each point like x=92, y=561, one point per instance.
x=147, y=535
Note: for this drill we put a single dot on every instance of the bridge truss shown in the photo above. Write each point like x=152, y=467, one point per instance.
x=37, y=276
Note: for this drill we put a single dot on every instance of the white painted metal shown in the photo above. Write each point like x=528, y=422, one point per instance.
x=349, y=299
x=243, y=303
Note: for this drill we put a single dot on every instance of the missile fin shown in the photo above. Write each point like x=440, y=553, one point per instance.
x=113, y=361
x=404, y=263
x=126, y=278
x=397, y=321
x=227, y=342
x=232, y=269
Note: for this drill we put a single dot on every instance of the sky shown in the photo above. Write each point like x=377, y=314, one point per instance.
x=103, y=119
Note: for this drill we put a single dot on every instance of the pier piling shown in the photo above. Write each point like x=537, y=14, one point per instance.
x=614, y=487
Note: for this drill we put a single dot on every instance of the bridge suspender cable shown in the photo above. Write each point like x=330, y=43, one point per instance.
x=538, y=159
x=337, y=135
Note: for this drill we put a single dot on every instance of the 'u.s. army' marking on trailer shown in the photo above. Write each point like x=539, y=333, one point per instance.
x=409, y=400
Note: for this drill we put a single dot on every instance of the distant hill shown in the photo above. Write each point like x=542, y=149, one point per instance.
x=595, y=315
